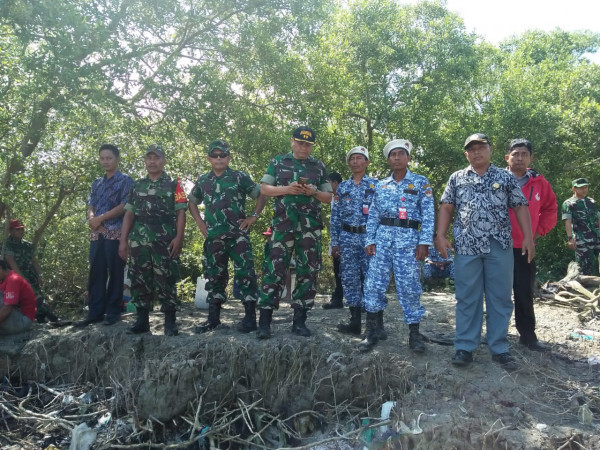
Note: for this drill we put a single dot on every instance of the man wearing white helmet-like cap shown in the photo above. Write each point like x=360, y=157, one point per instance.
x=348, y=233
x=399, y=233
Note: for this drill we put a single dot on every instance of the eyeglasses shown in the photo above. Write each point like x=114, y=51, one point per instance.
x=218, y=155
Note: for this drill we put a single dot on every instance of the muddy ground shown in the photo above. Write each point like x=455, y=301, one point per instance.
x=229, y=390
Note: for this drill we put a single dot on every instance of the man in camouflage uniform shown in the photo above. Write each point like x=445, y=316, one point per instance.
x=299, y=184
x=154, y=222
x=399, y=233
x=582, y=221
x=225, y=226
x=349, y=232
x=20, y=256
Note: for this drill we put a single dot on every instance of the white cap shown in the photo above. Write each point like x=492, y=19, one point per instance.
x=360, y=150
x=396, y=143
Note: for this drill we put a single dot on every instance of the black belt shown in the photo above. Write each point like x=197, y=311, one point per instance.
x=402, y=223
x=350, y=229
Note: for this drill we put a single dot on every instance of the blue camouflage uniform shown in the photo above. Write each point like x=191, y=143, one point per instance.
x=407, y=212
x=433, y=271
x=348, y=231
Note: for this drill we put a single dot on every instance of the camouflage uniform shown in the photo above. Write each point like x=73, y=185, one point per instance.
x=584, y=216
x=224, y=198
x=395, y=245
x=151, y=269
x=296, y=228
x=23, y=252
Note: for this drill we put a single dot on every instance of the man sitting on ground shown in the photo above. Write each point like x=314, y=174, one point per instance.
x=17, y=302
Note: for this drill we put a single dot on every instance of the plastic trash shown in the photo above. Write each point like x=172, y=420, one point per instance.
x=584, y=415
x=580, y=337
x=594, y=360
x=201, y=294
x=82, y=437
x=386, y=408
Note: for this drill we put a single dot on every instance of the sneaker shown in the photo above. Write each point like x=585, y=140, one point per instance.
x=462, y=358
x=506, y=361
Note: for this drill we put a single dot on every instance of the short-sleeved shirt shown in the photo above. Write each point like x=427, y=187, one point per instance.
x=351, y=205
x=155, y=204
x=583, y=214
x=224, y=199
x=23, y=253
x=17, y=292
x=291, y=210
x=106, y=194
x=482, y=203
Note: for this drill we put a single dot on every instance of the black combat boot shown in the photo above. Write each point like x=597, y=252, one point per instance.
x=213, y=321
x=299, y=322
x=371, y=334
x=381, y=334
x=248, y=323
x=170, y=325
x=352, y=327
x=142, y=324
x=264, y=324
x=415, y=340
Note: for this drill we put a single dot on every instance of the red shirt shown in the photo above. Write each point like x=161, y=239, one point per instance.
x=18, y=292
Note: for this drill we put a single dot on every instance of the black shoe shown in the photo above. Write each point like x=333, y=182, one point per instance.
x=84, y=323
x=299, y=322
x=248, y=323
x=108, y=321
x=142, y=323
x=170, y=324
x=353, y=326
x=333, y=304
x=462, y=358
x=536, y=346
x=264, y=324
x=506, y=361
x=214, y=319
x=415, y=340
x=380, y=331
x=371, y=338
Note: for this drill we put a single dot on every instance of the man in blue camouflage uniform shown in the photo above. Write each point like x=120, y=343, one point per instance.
x=481, y=194
x=582, y=223
x=399, y=233
x=225, y=226
x=155, y=216
x=299, y=184
x=349, y=232
x=437, y=267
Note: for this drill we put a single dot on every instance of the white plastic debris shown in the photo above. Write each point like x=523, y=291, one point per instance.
x=201, y=294
x=594, y=360
x=386, y=408
x=584, y=415
x=102, y=421
x=541, y=426
x=82, y=437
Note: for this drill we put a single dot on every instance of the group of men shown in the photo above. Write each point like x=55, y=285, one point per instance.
x=378, y=227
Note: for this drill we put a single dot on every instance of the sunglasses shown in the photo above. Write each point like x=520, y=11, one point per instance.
x=218, y=155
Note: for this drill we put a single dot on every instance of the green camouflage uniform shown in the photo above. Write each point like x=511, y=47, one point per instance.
x=151, y=269
x=584, y=215
x=224, y=199
x=296, y=228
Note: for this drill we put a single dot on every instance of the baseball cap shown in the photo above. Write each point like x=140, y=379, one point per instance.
x=218, y=144
x=16, y=224
x=477, y=137
x=579, y=182
x=156, y=149
x=269, y=232
x=357, y=150
x=396, y=143
x=304, y=134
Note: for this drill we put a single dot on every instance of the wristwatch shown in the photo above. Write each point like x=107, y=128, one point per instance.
x=569, y=238
x=254, y=214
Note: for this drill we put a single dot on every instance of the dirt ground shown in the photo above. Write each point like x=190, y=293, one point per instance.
x=293, y=392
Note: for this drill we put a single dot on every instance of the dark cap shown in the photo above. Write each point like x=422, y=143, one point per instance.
x=519, y=143
x=580, y=182
x=304, y=134
x=334, y=176
x=16, y=224
x=218, y=144
x=156, y=149
x=477, y=137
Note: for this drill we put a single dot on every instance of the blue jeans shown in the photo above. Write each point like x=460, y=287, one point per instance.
x=105, y=284
x=490, y=274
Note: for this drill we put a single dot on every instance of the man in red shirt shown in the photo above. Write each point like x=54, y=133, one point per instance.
x=17, y=302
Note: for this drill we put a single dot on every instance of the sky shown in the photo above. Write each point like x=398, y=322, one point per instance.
x=496, y=20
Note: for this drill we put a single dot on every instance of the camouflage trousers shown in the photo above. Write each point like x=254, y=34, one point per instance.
x=305, y=244
x=153, y=273
x=354, y=266
x=215, y=261
x=586, y=254
x=43, y=308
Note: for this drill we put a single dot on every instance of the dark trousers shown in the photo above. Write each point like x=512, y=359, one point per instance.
x=523, y=286
x=338, y=294
x=105, y=284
